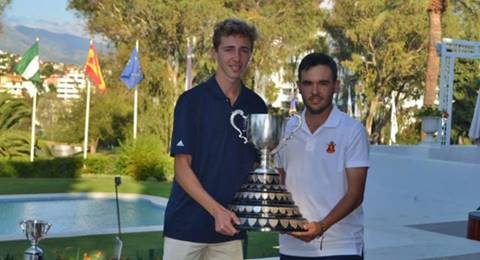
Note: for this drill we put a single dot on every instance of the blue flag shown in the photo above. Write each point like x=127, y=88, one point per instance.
x=132, y=73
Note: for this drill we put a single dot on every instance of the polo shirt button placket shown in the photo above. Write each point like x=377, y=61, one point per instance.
x=310, y=144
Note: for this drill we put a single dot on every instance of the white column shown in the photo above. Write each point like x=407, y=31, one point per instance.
x=135, y=106
x=87, y=121
x=34, y=118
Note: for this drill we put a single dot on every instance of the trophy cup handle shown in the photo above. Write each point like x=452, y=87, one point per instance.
x=48, y=228
x=290, y=135
x=232, y=122
x=23, y=225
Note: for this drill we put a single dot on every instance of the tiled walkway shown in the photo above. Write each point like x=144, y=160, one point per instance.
x=417, y=208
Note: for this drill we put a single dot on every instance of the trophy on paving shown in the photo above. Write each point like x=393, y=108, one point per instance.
x=35, y=230
x=263, y=204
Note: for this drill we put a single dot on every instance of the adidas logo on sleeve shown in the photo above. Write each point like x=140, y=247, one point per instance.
x=180, y=144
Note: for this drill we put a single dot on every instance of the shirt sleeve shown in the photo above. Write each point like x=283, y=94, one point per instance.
x=183, y=128
x=357, y=154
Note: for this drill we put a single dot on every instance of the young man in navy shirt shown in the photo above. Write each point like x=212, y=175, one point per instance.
x=211, y=162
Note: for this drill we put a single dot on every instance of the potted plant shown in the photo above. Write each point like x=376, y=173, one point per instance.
x=431, y=119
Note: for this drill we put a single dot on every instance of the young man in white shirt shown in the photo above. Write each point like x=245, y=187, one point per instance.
x=324, y=165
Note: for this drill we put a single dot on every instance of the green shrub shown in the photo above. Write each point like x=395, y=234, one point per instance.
x=100, y=164
x=7, y=169
x=145, y=158
x=68, y=167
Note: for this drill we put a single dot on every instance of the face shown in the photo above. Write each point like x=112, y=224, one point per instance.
x=232, y=56
x=317, y=88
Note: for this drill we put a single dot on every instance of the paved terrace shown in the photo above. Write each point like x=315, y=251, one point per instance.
x=417, y=202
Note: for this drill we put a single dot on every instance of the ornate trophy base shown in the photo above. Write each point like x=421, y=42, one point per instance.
x=264, y=205
x=33, y=253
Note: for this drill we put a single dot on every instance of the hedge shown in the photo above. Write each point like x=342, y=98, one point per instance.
x=101, y=164
x=69, y=167
x=136, y=159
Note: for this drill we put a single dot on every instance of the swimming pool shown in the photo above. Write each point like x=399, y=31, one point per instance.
x=81, y=213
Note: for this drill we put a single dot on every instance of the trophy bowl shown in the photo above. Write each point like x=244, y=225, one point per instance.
x=35, y=230
x=264, y=131
x=263, y=203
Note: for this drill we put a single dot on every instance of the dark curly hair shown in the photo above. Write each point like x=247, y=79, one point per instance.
x=232, y=26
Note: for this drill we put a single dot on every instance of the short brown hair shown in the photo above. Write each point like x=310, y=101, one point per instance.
x=233, y=26
x=317, y=58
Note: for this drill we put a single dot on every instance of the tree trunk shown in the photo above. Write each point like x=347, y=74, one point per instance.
x=257, y=87
x=371, y=114
x=435, y=10
x=93, y=146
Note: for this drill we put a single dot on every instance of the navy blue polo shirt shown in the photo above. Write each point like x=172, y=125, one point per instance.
x=220, y=160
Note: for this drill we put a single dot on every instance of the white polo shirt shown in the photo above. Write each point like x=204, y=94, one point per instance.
x=315, y=175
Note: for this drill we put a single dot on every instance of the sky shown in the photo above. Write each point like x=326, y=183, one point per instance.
x=45, y=14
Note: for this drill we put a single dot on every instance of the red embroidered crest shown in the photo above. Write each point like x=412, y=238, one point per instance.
x=331, y=147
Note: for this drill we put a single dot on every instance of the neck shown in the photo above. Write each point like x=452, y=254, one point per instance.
x=315, y=120
x=229, y=87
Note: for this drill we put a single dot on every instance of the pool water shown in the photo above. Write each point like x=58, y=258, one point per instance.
x=78, y=215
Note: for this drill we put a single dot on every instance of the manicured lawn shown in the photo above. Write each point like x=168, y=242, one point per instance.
x=136, y=245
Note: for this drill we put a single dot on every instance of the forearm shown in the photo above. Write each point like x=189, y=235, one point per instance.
x=353, y=198
x=344, y=207
x=186, y=178
x=281, y=175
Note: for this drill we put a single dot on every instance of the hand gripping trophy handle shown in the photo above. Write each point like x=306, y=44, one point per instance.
x=284, y=141
x=232, y=122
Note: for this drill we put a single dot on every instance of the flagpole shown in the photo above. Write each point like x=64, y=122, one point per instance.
x=349, y=102
x=135, y=106
x=393, y=121
x=32, y=142
x=188, y=74
x=87, y=120
x=34, y=118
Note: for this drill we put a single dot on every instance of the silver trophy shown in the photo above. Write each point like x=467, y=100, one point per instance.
x=263, y=204
x=35, y=230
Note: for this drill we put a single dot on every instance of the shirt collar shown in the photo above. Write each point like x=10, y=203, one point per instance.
x=332, y=121
x=215, y=89
x=217, y=92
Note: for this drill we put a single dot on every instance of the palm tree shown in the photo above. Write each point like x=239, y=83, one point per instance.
x=12, y=111
x=435, y=10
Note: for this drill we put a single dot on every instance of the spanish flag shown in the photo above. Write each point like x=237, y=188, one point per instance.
x=92, y=68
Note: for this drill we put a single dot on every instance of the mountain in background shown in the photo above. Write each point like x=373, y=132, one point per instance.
x=56, y=47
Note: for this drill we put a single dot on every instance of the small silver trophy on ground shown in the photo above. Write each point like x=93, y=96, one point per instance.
x=263, y=204
x=35, y=230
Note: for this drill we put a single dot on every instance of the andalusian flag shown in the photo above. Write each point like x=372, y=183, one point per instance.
x=29, y=66
x=92, y=68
